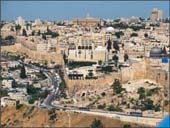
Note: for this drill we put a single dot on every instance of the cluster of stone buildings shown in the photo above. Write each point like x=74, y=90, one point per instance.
x=86, y=39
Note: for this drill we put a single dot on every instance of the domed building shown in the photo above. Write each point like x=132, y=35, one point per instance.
x=109, y=30
x=156, y=52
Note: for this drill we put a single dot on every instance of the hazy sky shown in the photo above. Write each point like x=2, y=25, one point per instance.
x=53, y=10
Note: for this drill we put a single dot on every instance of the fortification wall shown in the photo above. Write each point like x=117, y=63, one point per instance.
x=92, y=84
x=35, y=55
x=135, y=72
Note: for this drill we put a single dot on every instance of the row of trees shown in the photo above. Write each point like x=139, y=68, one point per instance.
x=111, y=45
x=146, y=103
x=49, y=32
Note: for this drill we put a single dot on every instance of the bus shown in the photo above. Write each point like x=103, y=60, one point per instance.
x=84, y=108
x=139, y=114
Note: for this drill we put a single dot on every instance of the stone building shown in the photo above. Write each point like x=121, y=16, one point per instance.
x=156, y=15
x=87, y=22
x=86, y=51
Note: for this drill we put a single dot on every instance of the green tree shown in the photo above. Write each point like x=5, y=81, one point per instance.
x=126, y=57
x=33, y=33
x=119, y=34
x=101, y=106
x=110, y=108
x=126, y=126
x=164, y=50
x=9, y=37
x=65, y=58
x=117, y=87
x=18, y=105
x=100, y=62
x=134, y=35
x=107, y=69
x=148, y=104
x=39, y=33
x=116, y=45
x=53, y=34
x=141, y=92
x=157, y=107
x=96, y=124
x=44, y=36
x=24, y=32
x=115, y=58
x=103, y=93
x=146, y=35
x=17, y=27
x=90, y=73
x=109, y=45
x=23, y=72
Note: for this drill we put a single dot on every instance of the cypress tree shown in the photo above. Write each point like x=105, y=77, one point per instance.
x=23, y=72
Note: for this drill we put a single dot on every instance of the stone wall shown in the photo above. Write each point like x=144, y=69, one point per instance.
x=144, y=70
x=136, y=71
x=107, y=80
x=35, y=55
x=11, y=48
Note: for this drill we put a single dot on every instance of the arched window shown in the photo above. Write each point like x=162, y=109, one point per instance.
x=79, y=47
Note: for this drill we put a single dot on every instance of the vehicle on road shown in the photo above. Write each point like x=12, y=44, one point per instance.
x=84, y=108
x=139, y=114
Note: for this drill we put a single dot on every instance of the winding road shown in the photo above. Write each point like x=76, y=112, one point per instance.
x=55, y=92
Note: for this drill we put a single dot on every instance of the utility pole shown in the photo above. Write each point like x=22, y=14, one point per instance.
x=69, y=120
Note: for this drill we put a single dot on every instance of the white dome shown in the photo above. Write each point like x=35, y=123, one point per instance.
x=100, y=48
x=110, y=29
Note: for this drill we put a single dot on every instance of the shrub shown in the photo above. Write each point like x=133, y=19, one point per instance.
x=126, y=126
x=117, y=87
x=101, y=106
x=112, y=108
x=134, y=35
x=96, y=124
x=103, y=93
x=9, y=37
x=141, y=92
x=148, y=104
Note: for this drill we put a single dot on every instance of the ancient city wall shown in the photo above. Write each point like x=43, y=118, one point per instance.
x=136, y=71
x=159, y=76
x=11, y=48
x=143, y=70
x=140, y=70
x=92, y=84
x=35, y=55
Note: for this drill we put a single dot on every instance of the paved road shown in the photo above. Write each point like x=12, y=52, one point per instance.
x=55, y=83
x=123, y=117
x=55, y=92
